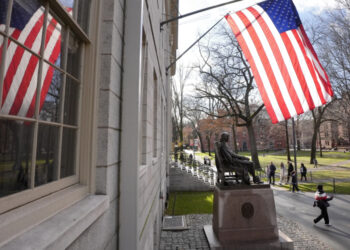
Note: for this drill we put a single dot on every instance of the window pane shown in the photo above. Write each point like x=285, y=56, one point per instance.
x=83, y=14
x=47, y=155
x=55, y=35
x=20, y=81
x=1, y=42
x=71, y=102
x=3, y=14
x=73, y=62
x=15, y=156
x=51, y=94
x=27, y=22
x=68, y=152
x=67, y=4
x=80, y=10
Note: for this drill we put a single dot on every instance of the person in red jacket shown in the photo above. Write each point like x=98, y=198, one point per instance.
x=321, y=200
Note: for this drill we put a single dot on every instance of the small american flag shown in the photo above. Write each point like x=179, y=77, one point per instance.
x=286, y=68
x=21, y=68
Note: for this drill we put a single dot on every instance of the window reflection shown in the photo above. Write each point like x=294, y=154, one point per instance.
x=47, y=155
x=83, y=14
x=15, y=156
x=3, y=14
x=20, y=82
x=51, y=94
x=80, y=10
x=68, y=152
x=27, y=22
x=73, y=60
x=71, y=102
x=55, y=34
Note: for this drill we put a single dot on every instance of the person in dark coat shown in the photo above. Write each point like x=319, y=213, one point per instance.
x=321, y=201
x=272, y=171
x=290, y=170
x=303, y=171
x=294, y=181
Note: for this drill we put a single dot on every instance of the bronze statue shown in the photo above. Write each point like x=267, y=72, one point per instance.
x=227, y=161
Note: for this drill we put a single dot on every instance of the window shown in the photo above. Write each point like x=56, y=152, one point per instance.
x=40, y=92
x=144, y=99
x=155, y=112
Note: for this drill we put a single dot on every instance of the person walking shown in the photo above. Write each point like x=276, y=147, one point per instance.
x=315, y=163
x=282, y=171
x=290, y=170
x=272, y=173
x=294, y=181
x=303, y=171
x=321, y=201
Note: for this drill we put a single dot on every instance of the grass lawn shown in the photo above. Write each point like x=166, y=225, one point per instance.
x=302, y=157
x=212, y=157
x=340, y=187
x=328, y=174
x=202, y=202
x=190, y=203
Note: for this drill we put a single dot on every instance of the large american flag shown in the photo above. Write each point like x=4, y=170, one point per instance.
x=21, y=68
x=286, y=68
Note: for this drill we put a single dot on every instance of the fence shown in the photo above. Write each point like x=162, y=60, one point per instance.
x=204, y=172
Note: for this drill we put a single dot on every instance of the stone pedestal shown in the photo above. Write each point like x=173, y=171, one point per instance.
x=244, y=217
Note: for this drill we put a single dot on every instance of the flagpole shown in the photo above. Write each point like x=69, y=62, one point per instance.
x=295, y=150
x=195, y=12
x=176, y=59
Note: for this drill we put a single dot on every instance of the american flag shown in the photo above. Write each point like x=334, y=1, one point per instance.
x=21, y=67
x=285, y=66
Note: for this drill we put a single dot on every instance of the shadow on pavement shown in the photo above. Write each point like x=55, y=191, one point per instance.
x=333, y=230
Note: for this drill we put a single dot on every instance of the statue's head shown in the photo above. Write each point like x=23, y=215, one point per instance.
x=224, y=137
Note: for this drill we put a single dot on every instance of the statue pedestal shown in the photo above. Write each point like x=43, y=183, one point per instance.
x=244, y=217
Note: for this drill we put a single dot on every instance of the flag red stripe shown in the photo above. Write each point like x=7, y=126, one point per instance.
x=280, y=61
x=16, y=59
x=266, y=64
x=295, y=61
x=326, y=82
x=310, y=66
x=249, y=57
x=15, y=35
x=50, y=72
x=28, y=75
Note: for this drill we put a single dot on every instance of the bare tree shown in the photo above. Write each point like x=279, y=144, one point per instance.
x=194, y=115
x=318, y=118
x=336, y=52
x=227, y=81
x=178, y=112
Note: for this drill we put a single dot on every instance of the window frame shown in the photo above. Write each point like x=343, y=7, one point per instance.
x=82, y=175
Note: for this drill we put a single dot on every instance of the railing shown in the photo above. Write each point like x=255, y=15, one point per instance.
x=204, y=172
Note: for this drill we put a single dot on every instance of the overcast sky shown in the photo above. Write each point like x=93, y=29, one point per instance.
x=191, y=27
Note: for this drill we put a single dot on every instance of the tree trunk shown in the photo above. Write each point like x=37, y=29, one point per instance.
x=253, y=149
x=181, y=135
x=208, y=141
x=233, y=127
x=313, y=142
x=287, y=142
x=200, y=140
x=319, y=141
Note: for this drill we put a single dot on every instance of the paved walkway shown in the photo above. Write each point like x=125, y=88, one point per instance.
x=194, y=238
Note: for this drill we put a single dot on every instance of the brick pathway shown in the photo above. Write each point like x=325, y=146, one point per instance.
x=194, y=238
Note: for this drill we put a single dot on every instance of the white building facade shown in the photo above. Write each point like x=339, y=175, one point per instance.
x=84, y=122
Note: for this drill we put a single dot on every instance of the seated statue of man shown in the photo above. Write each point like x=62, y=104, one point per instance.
x=235, y=161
